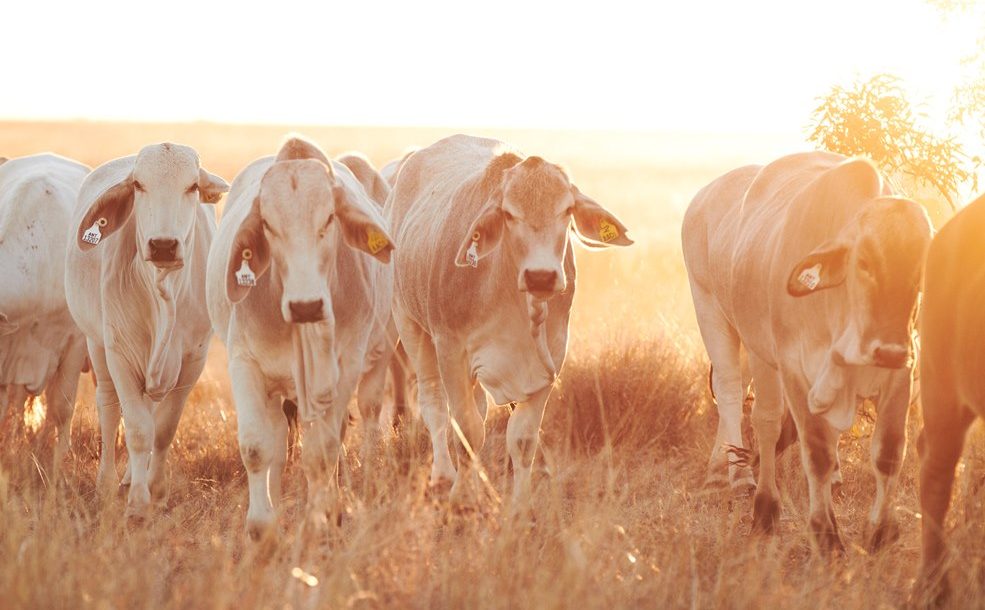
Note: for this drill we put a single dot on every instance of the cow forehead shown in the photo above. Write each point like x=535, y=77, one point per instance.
x=539, y=187
x=166, y=163
x=295, y=186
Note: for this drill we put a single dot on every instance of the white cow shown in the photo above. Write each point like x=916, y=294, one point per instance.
x=135, y=284
x=811, y=268
x=302, y=307
x=41, y=349
x=484, y=279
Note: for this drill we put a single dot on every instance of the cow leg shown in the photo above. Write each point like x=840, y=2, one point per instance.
x=369, y=398
x=431, y=396
x=454, y=369
x=166, y=418
x=942, y=440
x=400, y=378
x=818, y=450
x=722, y=343
x=523, y=439
x=887, y=450
x=108, y=404
x=60, y=395
x=281, y=431
x=255, y=415
x=767, y=420
x=138, y=427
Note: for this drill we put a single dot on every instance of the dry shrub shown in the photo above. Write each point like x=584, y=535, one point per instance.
x=641, y=392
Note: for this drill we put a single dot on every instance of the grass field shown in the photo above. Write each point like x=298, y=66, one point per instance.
x=623, y=522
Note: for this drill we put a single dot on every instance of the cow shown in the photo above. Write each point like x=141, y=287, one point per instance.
x=135, y=285
x=810, y=268
x=41, y=348
x=952, y=331
x=484, y=280
x=302, y=306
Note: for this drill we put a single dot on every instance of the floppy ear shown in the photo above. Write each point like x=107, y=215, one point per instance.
x=824, y=268
x=596, y=226
x=210, y=187
x=249, y=257
x=361, y=229
x=485, y=234
x=6, y=326
x=107, y=214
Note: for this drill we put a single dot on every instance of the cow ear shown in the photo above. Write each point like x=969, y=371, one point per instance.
x=210, y=187
x=106, y=215
x=3, y=160
x=595, y=226
x=483, y=236
x=361, y=229
x=824, y=268
x=249, y=258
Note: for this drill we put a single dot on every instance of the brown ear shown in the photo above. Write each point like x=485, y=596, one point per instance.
x=360, y=229
x=596, y=226
x=483, y=236
x=824, y=268
x=249, y=258
x=210, y=187
x=106, y=215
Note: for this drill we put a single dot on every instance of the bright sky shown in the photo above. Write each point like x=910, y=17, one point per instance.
x=735, y=66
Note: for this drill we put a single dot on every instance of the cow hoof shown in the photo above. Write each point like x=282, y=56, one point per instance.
x=743, y=488
x=439, y=489
x=827, y=537
x=716, y=480
x=765, y=513
x=256, y=530
x=930, y=591
x=136, y=517
x=885, y=533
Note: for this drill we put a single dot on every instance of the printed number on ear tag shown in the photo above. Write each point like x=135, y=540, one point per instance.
x=92, y=235
x=472, y=254
x=376, y=241
x=810, y=277
x=607, y=231
x=245, y=275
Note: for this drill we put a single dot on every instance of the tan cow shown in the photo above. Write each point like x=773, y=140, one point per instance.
x=484, y=279
x=810, y=268
x=295, y=294
x=952, y=338
x=135, y=284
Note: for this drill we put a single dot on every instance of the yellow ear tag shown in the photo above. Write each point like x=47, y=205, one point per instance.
x=607, y=231
x=376, y=241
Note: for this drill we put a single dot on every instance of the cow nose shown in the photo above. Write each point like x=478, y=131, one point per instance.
x=163, y=249
x=303, y=312
x=891, y=356
x=540, y=280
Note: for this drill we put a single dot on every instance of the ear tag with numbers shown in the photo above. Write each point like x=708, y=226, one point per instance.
x=93, y=235
x=607, y=231
x=810, y=277
x=376, y=241
x=472, y=254
x=245, y=275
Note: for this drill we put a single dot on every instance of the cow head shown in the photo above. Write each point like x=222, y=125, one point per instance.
x=162, y=193
x=879, y=260
x=529, y=208
x=297, y=222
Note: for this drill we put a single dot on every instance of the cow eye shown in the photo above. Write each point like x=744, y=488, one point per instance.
x=864, y=267
x=324, y=228
x=138, y=186
x=191, y=189
x=508, y=217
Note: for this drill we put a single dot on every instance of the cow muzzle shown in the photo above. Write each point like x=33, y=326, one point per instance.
x=306, y=312
x=891, y=356
x=542, y=283
x=163, y=252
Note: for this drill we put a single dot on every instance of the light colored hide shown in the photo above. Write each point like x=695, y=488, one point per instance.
x=41, y=349
x=146, y=322
x=466, y=327
x=812, y=269
x=317, y=364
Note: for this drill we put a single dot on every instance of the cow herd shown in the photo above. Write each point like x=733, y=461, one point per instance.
x=809, y=279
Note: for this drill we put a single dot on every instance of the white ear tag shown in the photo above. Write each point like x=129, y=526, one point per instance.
x=472, y=254
x=245, y=275
x=810, y=277
x=92, y=235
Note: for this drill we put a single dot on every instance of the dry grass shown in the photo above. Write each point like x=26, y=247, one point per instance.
x=624, y=522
